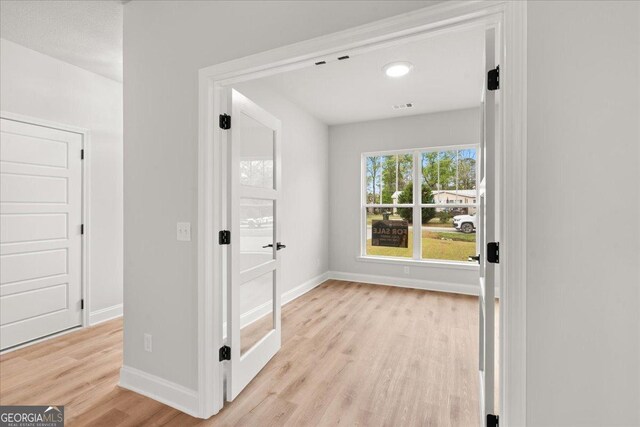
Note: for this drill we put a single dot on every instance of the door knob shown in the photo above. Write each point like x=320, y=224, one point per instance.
x=280, y=246
x=475, y=258
x=267, y=246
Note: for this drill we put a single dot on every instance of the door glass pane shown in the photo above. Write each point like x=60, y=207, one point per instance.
x=256, y=231
x=449, y=233
x=256, y=308
x=256, y=153
x=390, y=232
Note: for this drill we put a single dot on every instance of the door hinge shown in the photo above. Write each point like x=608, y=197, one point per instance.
x=493, y=252
x=225, y=353
x=493, y=420
x=82, y=304
x=82, y=154
x=81, y=228
x=225, y=121
x=493, y=79
x=224, y=237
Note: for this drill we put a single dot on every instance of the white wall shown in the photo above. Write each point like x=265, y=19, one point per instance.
x=346, y=144
x=583, y=279
x=165, y=44
x=305, y=186
x=40, y=86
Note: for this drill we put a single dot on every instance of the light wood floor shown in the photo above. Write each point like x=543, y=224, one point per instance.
x=352, y=354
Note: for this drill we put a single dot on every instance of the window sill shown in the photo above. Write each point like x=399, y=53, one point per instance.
x=454, y=265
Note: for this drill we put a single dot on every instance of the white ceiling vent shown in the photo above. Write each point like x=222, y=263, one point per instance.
x=403, y=106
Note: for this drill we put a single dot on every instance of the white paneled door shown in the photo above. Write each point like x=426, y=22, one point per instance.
x=254, y=326
x=40, y=231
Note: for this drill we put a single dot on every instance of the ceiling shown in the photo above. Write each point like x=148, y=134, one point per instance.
x=86, y=33
x=447, y=75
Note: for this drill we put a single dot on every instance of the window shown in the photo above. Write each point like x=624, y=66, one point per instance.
x=444, y=204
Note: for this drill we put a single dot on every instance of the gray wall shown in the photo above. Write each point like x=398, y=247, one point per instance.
x=347, y=143
x=46, y=88
x=583, y=292
x=583, y=328
x=165, y=44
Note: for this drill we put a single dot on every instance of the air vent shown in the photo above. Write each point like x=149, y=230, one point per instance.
x=403, y=106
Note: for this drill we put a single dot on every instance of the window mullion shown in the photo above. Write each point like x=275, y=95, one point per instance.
x=363, y=201
x=417, y=212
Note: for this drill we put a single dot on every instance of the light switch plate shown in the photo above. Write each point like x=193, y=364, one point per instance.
x=184, y=231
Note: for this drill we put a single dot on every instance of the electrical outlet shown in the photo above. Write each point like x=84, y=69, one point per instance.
x=407, y=271
x=148, y=343
x=184, y=231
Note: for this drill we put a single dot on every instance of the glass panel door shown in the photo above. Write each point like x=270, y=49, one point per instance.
x=253, y=315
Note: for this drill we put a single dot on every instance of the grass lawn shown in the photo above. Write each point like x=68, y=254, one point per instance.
x=435, y=245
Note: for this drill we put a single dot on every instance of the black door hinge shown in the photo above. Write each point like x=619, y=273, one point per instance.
x=225, y=121
x=82, y=154
x=82, y=304
x=225, y=353
x=81, y=228
x=493, y=79
x=224, y=237
x=493, y=420
x=493, y=252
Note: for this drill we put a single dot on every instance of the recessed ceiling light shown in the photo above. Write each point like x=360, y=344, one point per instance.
x=397, y=69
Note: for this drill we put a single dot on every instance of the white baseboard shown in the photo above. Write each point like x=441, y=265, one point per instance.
x=310, y=284
x=403, y=282
x=262, y=310
x=105, y=314
x=172, y=394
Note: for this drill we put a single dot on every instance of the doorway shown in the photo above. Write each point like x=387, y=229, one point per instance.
x=215, y=80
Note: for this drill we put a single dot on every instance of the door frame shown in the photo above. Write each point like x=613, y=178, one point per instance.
x=85, y=215
x=430, y=21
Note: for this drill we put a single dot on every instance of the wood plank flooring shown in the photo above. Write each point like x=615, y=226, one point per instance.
x=352, y=354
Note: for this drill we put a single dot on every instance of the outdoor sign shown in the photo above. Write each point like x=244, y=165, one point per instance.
x=393, y=233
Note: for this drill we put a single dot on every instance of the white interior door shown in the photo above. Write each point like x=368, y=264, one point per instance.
x=254, y=327
x=486, y=236
x=40, y=231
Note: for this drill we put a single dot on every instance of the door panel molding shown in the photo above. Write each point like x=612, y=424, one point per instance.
x=85, y=214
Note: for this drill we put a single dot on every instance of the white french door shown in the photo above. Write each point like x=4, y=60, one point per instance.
x=253, y=292
x=487, y=249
